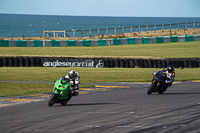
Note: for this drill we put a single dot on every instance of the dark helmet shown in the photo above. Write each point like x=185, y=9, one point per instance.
x=170, y=69
x=72, y=74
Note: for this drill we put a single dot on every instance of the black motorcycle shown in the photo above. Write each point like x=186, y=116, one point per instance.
x=158, y=84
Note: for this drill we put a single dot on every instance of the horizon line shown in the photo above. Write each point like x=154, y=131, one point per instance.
x=93, y=15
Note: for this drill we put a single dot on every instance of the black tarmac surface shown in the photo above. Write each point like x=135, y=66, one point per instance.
x=115, y=111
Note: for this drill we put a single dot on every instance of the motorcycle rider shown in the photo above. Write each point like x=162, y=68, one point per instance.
x=170, y=75
x=74, y=79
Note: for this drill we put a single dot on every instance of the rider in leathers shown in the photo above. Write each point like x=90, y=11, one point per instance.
x=170, y=75
x=74, y=80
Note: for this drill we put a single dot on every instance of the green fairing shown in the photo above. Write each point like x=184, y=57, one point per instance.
x=64, y=91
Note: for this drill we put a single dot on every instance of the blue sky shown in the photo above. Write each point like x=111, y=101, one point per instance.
x=126, y=8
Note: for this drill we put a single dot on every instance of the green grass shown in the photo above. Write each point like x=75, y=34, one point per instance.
x=18, y=89
x=165, y=50
x=8, y=89
x=100, y=75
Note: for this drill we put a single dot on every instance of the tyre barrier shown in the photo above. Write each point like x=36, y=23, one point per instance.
x=108, y=62
x=1, y=62
x=117, y=63
x=20, y=61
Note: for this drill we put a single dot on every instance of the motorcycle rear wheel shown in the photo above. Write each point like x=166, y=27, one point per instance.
x=67, y=100
x=53, y=99
x=64, y=102
x=161, y=91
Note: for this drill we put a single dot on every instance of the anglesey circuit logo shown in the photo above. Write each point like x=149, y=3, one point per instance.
x=74, y=63
x=100, y=64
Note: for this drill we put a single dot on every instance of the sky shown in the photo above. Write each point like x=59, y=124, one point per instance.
x=122, y=8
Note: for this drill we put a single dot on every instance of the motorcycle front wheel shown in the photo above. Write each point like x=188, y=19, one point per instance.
x=150, y=90
x=53, y=99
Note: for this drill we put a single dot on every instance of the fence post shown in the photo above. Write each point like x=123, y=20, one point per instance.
x=162, y=27
x=82, y=33
x=186, y=25
x=106, y=31
x=139, y=29
x=54, y=34
x=47, y=34
x=64, y=34
x=115, y=30
x=154, y=28
x=170, y=27
x=43, y=33
x=147, y=29
x=193, y=25
x=43, y=43
x=98, y=32
x=178, y=26
x=131, y=30
x=73, y=33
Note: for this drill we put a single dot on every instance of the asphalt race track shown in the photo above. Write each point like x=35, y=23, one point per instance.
x=115, y=111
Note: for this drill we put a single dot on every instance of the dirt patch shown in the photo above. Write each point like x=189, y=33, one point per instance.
x=174, y=32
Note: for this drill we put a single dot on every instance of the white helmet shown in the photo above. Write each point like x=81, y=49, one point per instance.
x=72, y=74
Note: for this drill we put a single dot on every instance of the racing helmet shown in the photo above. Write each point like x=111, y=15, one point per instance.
x=170, y=69
x=71, y=74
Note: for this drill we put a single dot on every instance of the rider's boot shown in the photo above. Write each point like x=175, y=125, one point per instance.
x=76, y=92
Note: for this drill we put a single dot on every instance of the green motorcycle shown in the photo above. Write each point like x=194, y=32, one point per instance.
x=62, y=92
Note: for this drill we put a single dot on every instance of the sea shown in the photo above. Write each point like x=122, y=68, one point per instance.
x=19, y=25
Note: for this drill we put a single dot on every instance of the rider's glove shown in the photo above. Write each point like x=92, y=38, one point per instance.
x=172, y=80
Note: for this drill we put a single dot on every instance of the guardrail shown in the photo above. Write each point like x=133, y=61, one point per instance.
x=120, y=30
x=103, y=42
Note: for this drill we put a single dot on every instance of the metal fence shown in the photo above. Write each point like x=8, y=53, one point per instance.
x=120, y=30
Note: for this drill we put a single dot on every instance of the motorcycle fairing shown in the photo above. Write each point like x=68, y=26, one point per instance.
x=61, y=87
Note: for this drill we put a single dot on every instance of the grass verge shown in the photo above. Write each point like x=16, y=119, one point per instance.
x=164, y=50
x=8, y=89
x=100, y=75
x=18, y=89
